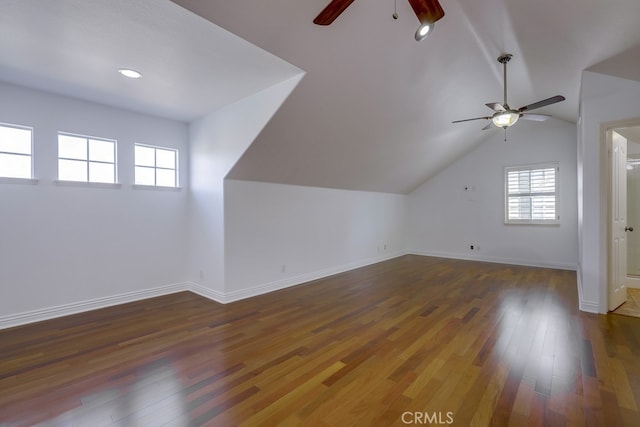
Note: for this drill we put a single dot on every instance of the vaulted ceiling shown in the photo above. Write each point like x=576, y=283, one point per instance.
x=374, y=109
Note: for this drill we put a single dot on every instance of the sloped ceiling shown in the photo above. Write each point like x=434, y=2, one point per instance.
x=624, y=65
x=374, y=111
x=74, y=48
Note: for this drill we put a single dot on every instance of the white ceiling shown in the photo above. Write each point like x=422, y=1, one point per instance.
x=74, y=47
x=374, y=110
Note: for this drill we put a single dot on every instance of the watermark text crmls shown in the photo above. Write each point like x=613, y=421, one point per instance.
x=432, y=418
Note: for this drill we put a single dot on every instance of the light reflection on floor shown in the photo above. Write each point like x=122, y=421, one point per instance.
x=153, y=399
x=543, y=362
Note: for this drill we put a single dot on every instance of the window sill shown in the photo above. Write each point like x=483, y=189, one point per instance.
x=23, y=181
x=548, y=223
x=155, y=188
x=86, y=184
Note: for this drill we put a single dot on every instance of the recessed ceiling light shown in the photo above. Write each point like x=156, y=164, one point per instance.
x=132, y=74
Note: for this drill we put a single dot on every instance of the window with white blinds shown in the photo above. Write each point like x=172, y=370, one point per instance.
x=531, y=194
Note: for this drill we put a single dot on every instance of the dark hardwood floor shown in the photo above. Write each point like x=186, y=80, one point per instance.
x=410, y=341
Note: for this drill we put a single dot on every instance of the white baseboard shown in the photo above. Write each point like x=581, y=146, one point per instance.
x=207, y=293
x=589, y=307
x=304, y=278
x=586, y=306
x=633, y=282
x=224, y=297
x=228, y=297
x=496, y=260
x=82, y=306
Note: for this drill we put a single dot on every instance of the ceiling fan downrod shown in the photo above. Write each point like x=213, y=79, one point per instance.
x=504, y=59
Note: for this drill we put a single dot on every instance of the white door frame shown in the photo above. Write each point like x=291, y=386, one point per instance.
x=605, y=192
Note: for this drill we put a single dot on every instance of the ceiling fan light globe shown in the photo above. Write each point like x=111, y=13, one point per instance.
x=505, y=119
x=424, y=30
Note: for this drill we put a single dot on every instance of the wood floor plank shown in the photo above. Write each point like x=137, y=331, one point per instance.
x=410, y=337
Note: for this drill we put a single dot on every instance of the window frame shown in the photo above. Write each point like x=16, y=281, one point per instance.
x=556, y=194
x=155, y=168
x=31, y=176
x=88, y=161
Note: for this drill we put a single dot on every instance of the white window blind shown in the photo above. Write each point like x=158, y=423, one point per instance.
x=531, y=194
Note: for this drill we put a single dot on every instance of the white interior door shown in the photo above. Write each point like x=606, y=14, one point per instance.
x=618, y=248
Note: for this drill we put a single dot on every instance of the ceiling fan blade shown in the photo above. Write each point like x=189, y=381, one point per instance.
x=542, y=103
x=332, y=11
x=495, y=106
x=427, y=10
x=468, y=120
x=535, y=117
x=487, y=127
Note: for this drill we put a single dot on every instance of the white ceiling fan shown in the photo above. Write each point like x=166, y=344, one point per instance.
x=504, y=116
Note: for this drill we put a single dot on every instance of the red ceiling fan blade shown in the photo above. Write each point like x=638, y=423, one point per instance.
x=427, y=10
x=332, y=11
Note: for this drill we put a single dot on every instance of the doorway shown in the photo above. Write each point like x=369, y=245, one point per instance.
x=632, y=134
x=625, y=178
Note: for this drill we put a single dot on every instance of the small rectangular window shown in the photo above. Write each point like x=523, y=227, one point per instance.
x=156, y=166
x=16, y=158
x=531, y=194
x=86, y=159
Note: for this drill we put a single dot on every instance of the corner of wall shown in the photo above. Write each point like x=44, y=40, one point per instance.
x=586, y=306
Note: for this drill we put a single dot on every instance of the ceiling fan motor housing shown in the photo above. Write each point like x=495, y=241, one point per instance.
x=504, y=58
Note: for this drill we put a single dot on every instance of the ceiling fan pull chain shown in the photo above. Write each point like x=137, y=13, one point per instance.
x=395, y=9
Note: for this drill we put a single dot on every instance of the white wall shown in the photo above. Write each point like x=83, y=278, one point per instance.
x=445, y=219
x=67, y=244
x=216, y=143
x=281, y=235
x=604, y=99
